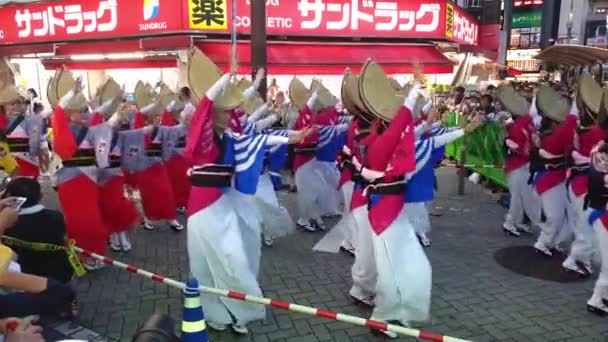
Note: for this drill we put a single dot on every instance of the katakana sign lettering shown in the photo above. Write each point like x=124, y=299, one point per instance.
x=207, y=14
x=71, y=18
x=352, y=18
x=75, y=19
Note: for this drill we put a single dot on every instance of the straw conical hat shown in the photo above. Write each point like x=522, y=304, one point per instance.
x=251, y=104
x=109, y=91
x=377, y=92
x=325, y=98
x=78, y=103
x=166, y=95
x=298, y=93
x=64, y=82
x=142, y=95
x=51, y=94
x=349, y=104
x=203, y=73
x=514, y=103
x=590, y=92
x=243, y=84
x=552, y=104
x=9, y=94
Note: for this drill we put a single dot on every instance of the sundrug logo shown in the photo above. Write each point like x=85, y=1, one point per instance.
x=151, y=8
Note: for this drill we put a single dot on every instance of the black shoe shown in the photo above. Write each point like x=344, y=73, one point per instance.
x=596, y=311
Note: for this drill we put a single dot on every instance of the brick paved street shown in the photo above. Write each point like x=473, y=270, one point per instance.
x=473, y=296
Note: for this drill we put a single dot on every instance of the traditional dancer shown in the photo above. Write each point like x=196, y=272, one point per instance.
x=548, y=165
x=420, y=183
x=385, y=235
x=519, y=143
x=309, y=180
x=597, y=216
x=145, y=156
x=174, y=142
x=81, y=149
x=221, y=251
x=23, y=132
x=118, y=213
x=594, y=128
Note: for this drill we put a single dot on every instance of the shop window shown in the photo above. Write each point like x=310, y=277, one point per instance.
x=601, y=10
x=473, y=3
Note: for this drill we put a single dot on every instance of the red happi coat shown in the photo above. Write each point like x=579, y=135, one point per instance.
x=560, y=143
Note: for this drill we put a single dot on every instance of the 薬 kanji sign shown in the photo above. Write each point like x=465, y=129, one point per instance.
x=75, y=19
x=207, y=14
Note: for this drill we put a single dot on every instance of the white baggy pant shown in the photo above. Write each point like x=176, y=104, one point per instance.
x=582, y=248
x=418, y=216
x=311, y=187
x=555, y=230
x=364, y=271
x=601, y=285
x=523, y=197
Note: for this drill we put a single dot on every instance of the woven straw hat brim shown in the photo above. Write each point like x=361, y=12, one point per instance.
x=552, y=104
x=109, y=91
x=591, y=93
x=51, y=93
x=251, y=104
x=326, y=98
x=9, y=94
x=345, y=95
x=142, y=95
x=77, y=104
x=202, y=73
x=230, y=98
x=166, y=95
x=377, y=92
x=65, y=83
x=298, y=93
x=352, y=86
x=243, y=84
x=315, y=85
x=513, y=102
x=7, y=74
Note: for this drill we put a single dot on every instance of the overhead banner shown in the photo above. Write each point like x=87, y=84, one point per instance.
x=342, y=18
x=66, y=20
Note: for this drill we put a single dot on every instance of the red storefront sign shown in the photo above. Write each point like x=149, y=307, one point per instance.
x=432, y=19
x=66, y=20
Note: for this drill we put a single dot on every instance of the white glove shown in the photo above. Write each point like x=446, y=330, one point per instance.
x=410, y=100
x=427, y=106
x=249, y=92
x=65, y=100
x=312, y=100
x=218, y=87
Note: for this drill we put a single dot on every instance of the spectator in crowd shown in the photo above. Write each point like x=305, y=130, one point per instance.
x=37, y=295
x=38, y=224
x=20, y=330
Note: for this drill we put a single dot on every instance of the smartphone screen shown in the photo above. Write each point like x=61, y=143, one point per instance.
x=17, y=202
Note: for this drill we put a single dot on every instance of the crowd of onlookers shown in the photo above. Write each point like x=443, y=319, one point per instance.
x=36, y=282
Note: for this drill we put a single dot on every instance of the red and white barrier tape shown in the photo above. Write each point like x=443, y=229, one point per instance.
x=279, y=304
x=473, y=166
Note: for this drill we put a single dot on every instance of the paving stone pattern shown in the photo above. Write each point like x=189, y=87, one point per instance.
x=473, y=297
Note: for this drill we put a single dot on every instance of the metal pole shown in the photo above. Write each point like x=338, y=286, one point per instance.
x=258, y=42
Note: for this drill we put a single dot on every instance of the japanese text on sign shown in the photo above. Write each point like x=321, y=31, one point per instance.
x=71, y=19
x=207, y=14
x=383, y=15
